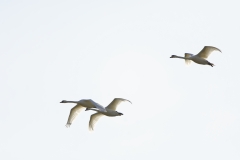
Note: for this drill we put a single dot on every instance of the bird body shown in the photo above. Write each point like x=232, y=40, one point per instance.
x=201, y=57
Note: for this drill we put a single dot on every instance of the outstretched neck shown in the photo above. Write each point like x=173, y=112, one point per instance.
x=64, y=101
x=94, y=109
x=180, y=57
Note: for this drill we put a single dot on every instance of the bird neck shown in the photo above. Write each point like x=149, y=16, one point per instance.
x=93, y=109
x=181, y=57
x=71, y=102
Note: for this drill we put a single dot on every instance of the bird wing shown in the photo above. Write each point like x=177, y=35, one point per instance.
x=91, y=104
x=187, y=55
x=113, y=105
x=73, y=114
x=93, y=119
x=206, y=51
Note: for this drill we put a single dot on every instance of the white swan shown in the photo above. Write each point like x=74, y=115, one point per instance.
x=111, y=112
x=201, y=57
x=84, y=103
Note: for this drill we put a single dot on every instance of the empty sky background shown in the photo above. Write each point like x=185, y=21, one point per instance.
x=72, y=50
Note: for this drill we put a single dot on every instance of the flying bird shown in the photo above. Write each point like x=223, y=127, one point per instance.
x=201, y=57
x=81, y=104
x=111, y=112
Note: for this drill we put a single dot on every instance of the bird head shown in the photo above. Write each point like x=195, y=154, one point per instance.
x=119, y=114
x=63, y=101
x=173, y=56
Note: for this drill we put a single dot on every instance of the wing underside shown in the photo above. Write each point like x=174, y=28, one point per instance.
x=206, y=51
x=113, y=105
x=73, y=114
x=93, y=120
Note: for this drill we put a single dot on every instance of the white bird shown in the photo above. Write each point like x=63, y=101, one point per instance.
x=201, y=57
x=111, y=111
x=84, y=103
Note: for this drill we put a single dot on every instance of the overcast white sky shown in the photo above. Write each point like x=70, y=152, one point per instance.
x=52, y=50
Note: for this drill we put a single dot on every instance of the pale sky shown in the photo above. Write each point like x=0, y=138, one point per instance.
x=100, y=50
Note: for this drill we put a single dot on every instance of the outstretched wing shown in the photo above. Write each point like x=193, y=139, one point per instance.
x=88, y=103
x=113, y=105
x=206, y=51
x=73, y=114
x=187, y=55
x=93, y=119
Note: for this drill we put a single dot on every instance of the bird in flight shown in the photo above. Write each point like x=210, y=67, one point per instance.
x=80, y=105
x=89, y=104
x=111, y=111
x=201, y=57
